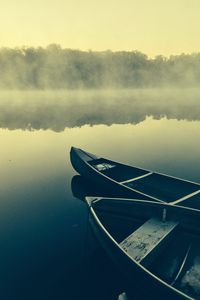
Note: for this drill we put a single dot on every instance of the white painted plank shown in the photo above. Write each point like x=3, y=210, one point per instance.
x=142, y=241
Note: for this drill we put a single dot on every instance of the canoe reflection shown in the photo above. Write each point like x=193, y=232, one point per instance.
x=82, y=187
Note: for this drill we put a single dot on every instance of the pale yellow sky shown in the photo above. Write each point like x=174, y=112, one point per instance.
x=151, y=26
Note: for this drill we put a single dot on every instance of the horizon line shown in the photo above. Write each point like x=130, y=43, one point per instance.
x=23, y=47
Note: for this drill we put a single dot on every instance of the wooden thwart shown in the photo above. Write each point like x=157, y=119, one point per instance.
x=186, y=197
x=136, y=178
x=148, y=238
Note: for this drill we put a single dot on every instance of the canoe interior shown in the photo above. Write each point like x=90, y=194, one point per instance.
x=178, y=262
x=193, y=202
x=161, y=187
x=116, y=171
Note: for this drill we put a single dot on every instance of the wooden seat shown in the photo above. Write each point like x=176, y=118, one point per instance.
x=145, y=243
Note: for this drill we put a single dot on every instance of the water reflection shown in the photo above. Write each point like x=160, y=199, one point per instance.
x=43, y=228
x=56, y=111
x=82, y=187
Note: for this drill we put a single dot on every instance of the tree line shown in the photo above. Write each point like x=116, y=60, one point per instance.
x=56, y=68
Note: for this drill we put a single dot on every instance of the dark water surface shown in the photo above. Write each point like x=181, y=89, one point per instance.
x=47, y=251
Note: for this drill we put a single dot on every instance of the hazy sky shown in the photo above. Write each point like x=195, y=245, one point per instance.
x=151, y=26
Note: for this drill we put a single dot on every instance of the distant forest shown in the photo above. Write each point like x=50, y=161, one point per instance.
x=56, y=68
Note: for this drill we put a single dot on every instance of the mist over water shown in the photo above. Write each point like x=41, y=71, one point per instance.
x=56, y=110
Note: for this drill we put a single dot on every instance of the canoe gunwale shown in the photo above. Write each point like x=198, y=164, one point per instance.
x=114, y=181
x=76, y=151
x=91, y=200
x=147, y=170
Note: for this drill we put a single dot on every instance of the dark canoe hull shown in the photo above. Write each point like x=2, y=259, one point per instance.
x=79, y=160
x=136, y=278
x=133, y=182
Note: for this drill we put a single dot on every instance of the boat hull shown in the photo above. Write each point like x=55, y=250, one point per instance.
x=121, y=180
x=136, y=277
x=79, y=161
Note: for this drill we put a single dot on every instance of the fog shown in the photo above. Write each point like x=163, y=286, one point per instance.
x=55, y=88
x=56, y=68
x=56, y=110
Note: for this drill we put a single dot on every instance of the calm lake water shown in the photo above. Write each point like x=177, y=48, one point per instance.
x=47, y=250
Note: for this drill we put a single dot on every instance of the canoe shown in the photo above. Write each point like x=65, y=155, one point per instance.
x=133, y=182
x=156, y=246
